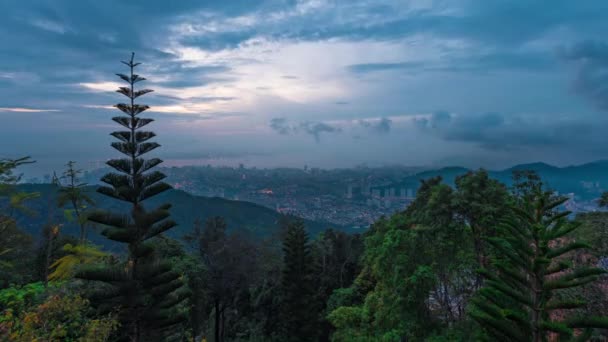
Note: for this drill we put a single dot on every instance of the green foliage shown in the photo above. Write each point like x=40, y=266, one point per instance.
x=519, y=301
x=8, y=182
x=593, y=229
x=299, y=310
x=74, y=193
x=349, y=322
x=480, y=201
x=336, y=261
x=603, y=201
x=145, y=288
x=65, y=267
x=417, y=270
x=19, y=298
x=51, y=249
x=15, y=245
x=60, y=317
x=16, y=255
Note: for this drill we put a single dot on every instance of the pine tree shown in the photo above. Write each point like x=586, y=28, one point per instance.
x=520, y=298
x=299, y=309
x=144, y=289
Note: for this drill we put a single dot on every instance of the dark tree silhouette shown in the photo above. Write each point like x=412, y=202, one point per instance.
x=144, y=288
x=299, y=310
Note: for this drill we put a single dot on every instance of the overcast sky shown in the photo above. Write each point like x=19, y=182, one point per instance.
x=316, y=82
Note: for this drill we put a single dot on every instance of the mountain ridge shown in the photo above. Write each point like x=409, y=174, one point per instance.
x=257, y=220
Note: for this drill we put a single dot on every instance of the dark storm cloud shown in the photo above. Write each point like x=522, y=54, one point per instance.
x=281, y=126
x=591, y=78
x=315, y=129
x=372, y=67
x=495, y=131
x=496, y=61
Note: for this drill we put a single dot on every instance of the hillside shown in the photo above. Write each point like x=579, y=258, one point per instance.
x=247, y=217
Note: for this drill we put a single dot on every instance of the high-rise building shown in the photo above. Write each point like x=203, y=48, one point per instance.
x=349, y=192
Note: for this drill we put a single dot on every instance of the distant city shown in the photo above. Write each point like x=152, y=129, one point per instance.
x=348, y=197
x=355, y=197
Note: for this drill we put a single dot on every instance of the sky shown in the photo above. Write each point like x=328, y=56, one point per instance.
x=310, y=82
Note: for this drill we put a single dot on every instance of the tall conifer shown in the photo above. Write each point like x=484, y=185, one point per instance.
x=520, y=300
x=298, y=305
x=144, y=289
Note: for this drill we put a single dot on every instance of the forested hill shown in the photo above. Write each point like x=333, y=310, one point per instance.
x=587, y=181
x=257, y=220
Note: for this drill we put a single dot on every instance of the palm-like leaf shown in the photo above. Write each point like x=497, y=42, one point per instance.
x=77, y=256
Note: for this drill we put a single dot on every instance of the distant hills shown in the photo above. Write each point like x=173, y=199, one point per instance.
x=586, y=181
x=256, y=220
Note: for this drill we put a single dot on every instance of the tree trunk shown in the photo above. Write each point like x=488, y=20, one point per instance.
x=222, y=325
x=80, y=223
x=448, y=303
x=480, y=254
x=537, y=330
x=49, y=251
x=217, y=321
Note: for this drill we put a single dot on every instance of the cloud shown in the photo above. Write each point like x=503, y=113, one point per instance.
x=282, y=126
x=498, y=60
x=316, y=128
x=479, y=129
x=375, y=67
x=496, y=131
x=437, y=120
x=50, y=26
x=26, y=110
x=378, y=126
x=591, y=80
x=209, y=61
x=381, y=126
